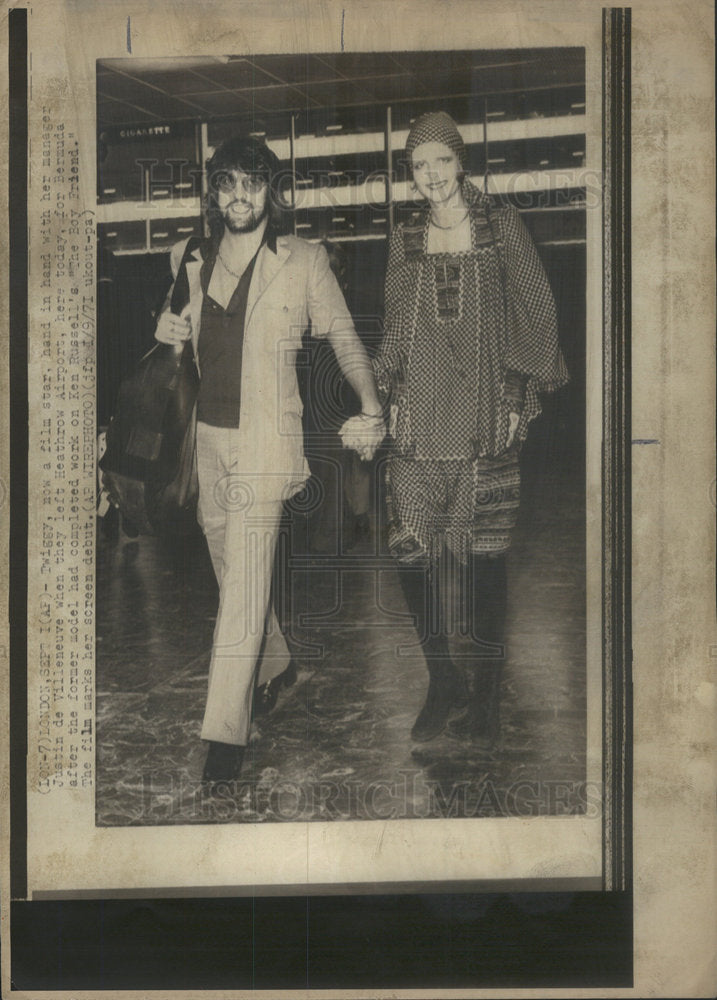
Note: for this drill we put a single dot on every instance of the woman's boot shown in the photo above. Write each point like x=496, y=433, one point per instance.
x=486, y=605
x=480, y=723
x=447, y=688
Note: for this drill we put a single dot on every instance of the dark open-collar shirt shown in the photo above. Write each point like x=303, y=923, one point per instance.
x=221, y=341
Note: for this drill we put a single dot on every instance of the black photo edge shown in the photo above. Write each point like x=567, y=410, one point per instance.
x=421, y=940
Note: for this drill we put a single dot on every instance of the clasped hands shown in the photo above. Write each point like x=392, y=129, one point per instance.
x=364, y=433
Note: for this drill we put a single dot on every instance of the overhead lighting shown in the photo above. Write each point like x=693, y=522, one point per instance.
x=334, y=128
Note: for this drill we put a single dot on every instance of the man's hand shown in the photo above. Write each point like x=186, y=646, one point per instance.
x=364, y=434
x=174, y=330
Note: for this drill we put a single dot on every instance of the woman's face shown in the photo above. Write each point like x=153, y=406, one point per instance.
x=436, y=171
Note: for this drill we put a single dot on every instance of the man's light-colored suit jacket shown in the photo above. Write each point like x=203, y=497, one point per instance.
x=290, y=289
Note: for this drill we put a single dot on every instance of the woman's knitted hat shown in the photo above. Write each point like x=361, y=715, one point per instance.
x=436, y=126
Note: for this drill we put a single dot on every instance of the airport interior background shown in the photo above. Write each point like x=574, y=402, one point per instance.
x=338, y=123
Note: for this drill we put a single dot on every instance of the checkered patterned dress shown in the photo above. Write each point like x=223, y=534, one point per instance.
x=460, y=330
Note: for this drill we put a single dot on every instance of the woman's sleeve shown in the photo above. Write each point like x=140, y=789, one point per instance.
x=532, y=347
x=533, y=362
x=388, y=363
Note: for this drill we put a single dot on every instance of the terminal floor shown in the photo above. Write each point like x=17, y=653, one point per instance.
x=337, y=746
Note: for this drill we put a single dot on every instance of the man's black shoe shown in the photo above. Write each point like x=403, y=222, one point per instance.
x=223, y=763
x=266, y=694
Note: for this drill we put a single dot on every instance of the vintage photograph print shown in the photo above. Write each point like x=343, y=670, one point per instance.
x=341, y=345
x=351, y=403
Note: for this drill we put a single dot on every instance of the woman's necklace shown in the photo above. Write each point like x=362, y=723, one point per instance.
x=455, y=224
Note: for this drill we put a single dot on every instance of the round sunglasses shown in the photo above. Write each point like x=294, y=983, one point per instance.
x=227, y=180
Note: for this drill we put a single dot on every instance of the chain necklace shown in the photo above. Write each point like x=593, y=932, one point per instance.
x=227, y=268
x=455, y=224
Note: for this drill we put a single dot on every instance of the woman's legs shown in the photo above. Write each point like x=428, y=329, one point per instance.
x=447, y=690
x=484, y=602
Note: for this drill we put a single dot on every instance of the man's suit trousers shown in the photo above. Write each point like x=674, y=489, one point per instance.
x=241, y=531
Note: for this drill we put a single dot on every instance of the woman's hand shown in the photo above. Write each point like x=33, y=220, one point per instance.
x=513, y=421
x=393, y=420
x=364, y=434
x=174, y=330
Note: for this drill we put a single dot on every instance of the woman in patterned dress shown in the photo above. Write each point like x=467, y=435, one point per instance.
x=470, y=340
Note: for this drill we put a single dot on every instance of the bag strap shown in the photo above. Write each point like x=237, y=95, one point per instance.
x=180, y=291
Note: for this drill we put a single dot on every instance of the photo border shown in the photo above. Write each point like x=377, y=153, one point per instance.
x=617, y=467
x=424, y=913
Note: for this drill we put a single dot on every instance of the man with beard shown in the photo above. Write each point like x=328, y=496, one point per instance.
x=252, y=291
